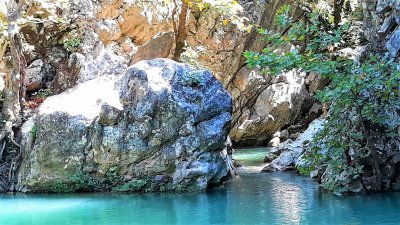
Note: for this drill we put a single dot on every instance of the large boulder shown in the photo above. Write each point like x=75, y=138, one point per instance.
x=111, y=35
x=160, y=126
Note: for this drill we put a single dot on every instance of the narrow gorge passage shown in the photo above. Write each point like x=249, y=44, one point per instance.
x=250, y=160
x=126, y=112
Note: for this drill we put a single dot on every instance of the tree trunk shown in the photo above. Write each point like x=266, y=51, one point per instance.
x=181, y=33
x=15, y=85
x=374, y=153
x=337, y=11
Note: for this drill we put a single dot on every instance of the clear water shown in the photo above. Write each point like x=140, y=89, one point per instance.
x=251, y=156
x=251, y=198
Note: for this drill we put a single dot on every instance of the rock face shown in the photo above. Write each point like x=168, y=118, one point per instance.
x=286, y=155
x=279, y=104
x=160, y=126
x=262, y=105
x=114, y=34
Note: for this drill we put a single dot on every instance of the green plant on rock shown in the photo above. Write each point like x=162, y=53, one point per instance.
x=33, y=131
x=112, y=176
x=78, y=182
x=84, y=182
x=72, y=44
x=60, y=186
x=358, y=93
x=133, y=186
x=43, y=93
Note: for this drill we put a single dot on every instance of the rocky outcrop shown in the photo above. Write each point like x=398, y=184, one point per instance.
x=262, y=105
x=160, y=126
x=284, y=100
x=286, y=156
x=98, y=36
x=111, y=35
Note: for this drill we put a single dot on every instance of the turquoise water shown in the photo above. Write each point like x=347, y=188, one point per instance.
x=250, y=157
x=251, y=198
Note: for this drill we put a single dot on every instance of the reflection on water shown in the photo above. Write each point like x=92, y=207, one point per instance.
x=287, y=197
x=251, y=198
x=280, y=198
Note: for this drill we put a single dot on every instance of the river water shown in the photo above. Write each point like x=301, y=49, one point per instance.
x=251, y=198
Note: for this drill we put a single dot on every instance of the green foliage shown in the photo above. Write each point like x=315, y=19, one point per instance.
x=43, y=93
x=79, y=181
x=84, y=182
x=72, y=44
x=133, y=186
x=112, y=175
x=358, y=93
x=340, y=178
x=34, y=131
x=62, y=187
x=282, y=18
x=306, y=170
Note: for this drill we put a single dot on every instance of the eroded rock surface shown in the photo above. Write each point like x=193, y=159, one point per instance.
x=279, y=104
x=286, y=155
x=160, y=126
x=108, y=36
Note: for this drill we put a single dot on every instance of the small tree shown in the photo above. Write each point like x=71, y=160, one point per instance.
x=357, y=94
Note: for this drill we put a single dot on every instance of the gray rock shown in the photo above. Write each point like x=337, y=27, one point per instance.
x=274, y=142
x=388, y=23
x=278, y=105
x=129, y=127
x=35, y=74
x=315, y=82
x=290, y=151
x=393, y=45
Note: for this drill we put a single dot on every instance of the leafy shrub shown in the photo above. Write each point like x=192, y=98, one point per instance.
x=112, y=176
x=358, y=94
x=60, y=186
x=84, y=182
x=133, y=186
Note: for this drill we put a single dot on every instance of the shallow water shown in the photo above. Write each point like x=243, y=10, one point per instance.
x=251, y=198
x=251, y=159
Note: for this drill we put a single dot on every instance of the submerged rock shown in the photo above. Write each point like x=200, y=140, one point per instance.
x=161, y=126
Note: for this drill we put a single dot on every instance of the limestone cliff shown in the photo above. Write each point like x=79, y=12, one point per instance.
x=112, y=35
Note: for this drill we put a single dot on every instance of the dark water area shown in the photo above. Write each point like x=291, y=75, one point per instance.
x=251, y=198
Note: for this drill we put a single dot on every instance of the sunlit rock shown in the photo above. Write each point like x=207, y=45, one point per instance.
x=160, y=119
x=289, y=151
